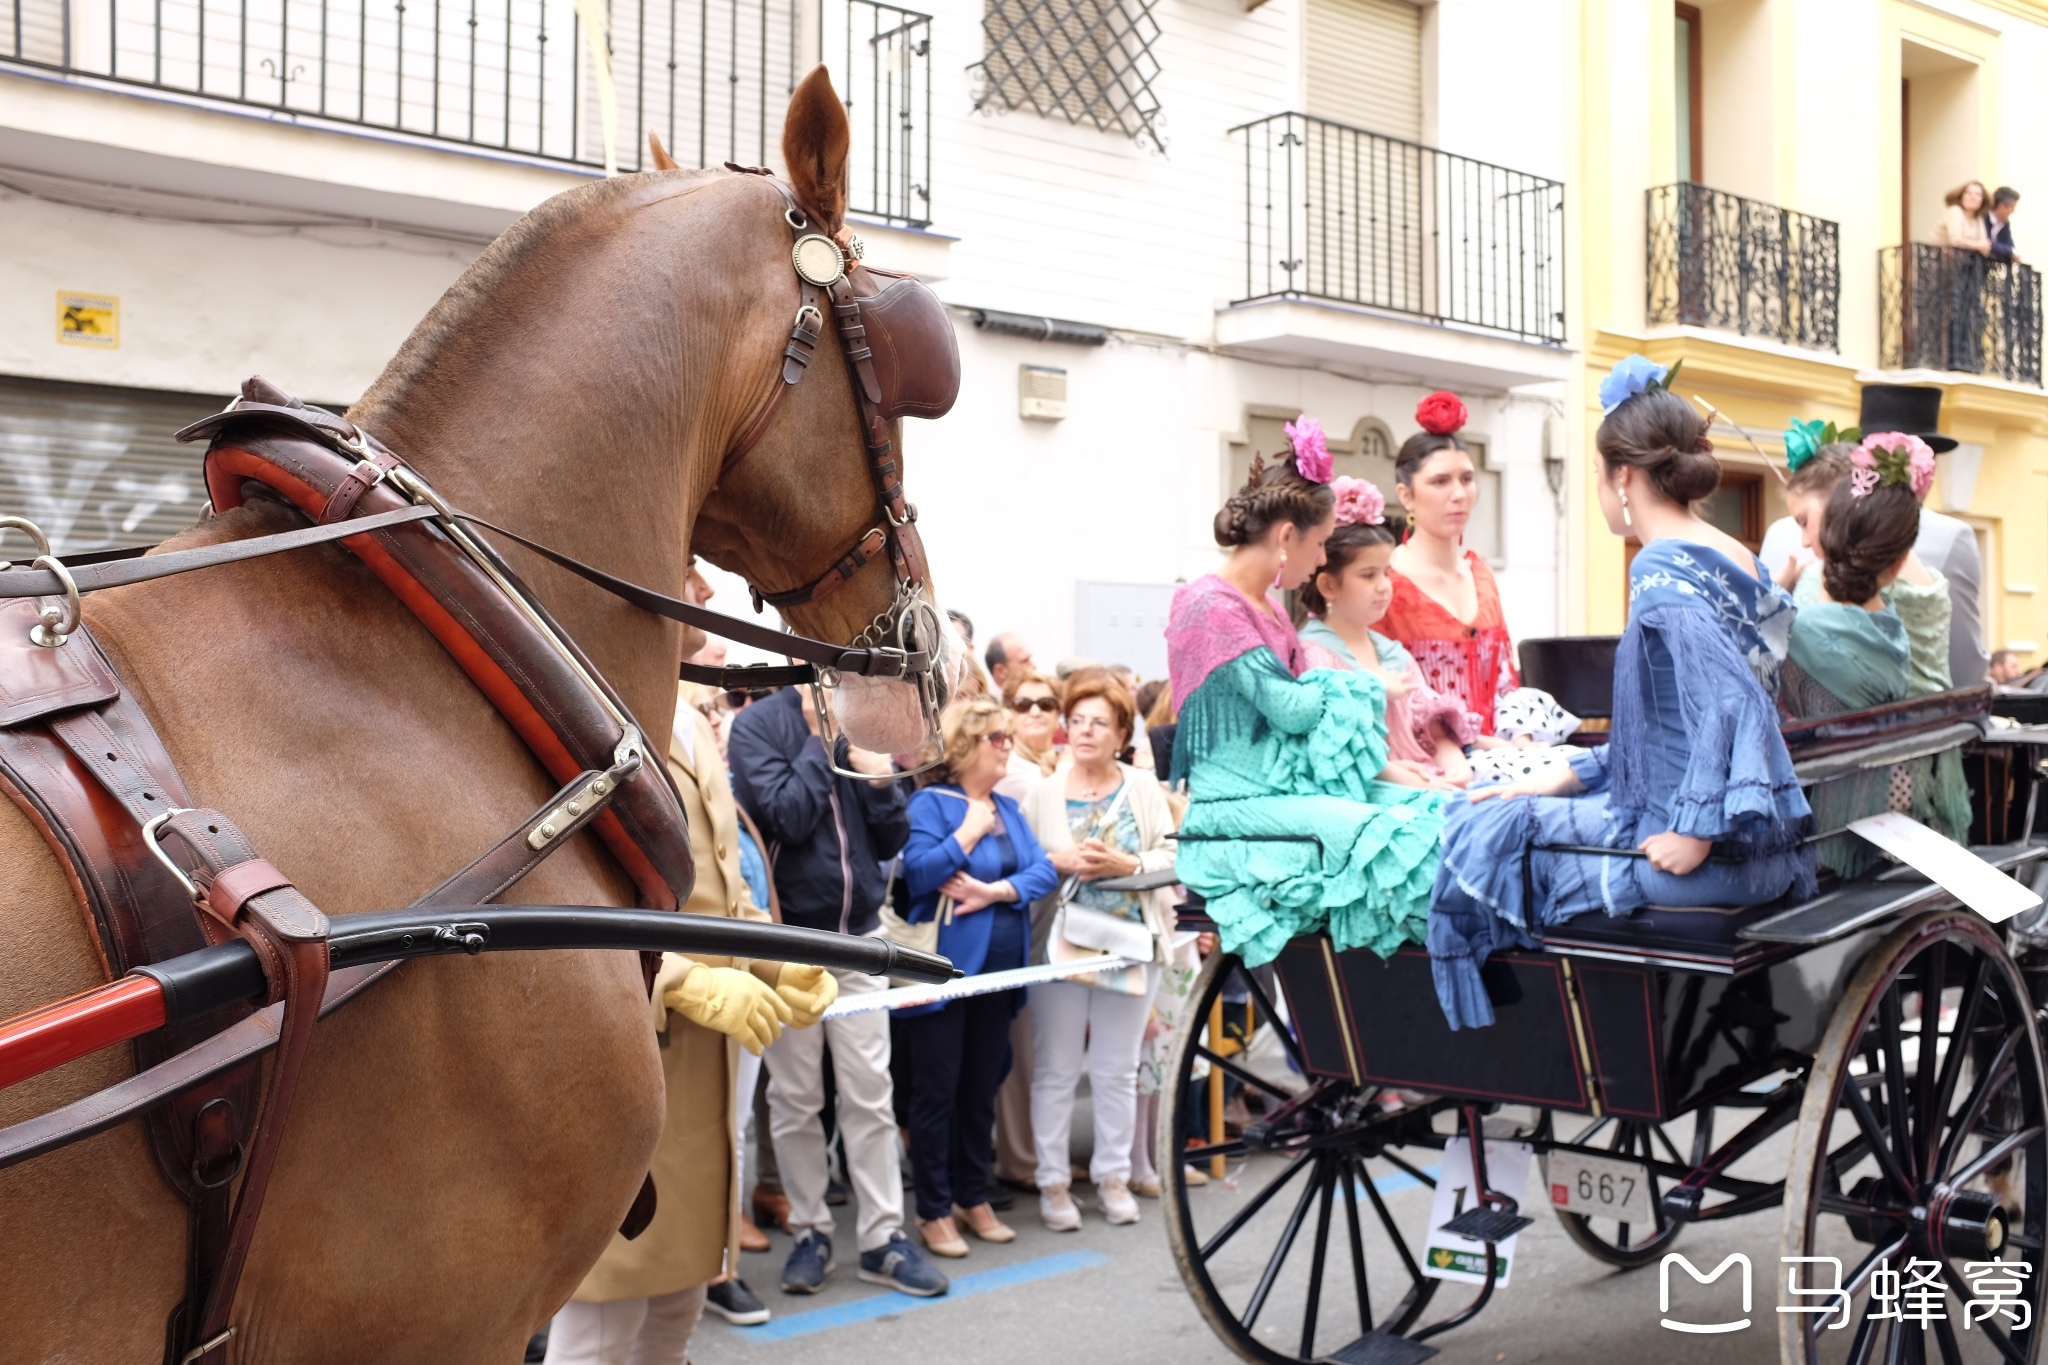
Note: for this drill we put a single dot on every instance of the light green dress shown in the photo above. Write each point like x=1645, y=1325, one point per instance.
x=1925, y=614
x=1288, y=831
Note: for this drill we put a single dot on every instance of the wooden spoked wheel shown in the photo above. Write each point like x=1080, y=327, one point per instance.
x=1629, y=1245
x=1920, y=1149
x=1301, y=1249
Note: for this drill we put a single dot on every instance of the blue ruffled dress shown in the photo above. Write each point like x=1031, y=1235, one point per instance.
x=1694, y=749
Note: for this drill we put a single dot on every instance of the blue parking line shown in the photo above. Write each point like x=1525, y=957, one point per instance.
x=785, y=1327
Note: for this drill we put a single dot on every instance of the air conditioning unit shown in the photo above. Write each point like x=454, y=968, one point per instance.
x=1041, y=393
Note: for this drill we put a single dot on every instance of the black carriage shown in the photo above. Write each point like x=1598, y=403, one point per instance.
x=1884, y=1030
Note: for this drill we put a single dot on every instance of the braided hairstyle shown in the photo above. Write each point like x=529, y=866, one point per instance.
x=1274, y=493
x=1861, y=538
x=1664, y=437
x=1341, y=548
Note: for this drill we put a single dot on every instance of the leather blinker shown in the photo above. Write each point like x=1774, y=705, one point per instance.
x=915, y=355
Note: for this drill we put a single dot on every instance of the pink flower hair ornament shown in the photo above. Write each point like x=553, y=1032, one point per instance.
x=1311, y=449
x=1359, y=503
x=1891, y=457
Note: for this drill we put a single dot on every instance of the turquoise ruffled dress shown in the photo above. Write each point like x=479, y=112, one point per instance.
x=1288, y=830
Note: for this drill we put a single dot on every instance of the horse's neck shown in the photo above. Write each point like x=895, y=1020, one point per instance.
x=584, y=478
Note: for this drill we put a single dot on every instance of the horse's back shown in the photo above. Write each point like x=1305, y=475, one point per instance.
x=464, y=1129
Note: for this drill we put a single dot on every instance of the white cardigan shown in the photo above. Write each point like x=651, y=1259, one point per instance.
x=1045, y=808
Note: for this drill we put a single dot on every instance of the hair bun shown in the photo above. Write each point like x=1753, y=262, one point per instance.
x=1689, y=475
x=1441, y=413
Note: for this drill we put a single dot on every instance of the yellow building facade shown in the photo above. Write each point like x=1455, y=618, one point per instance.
x=1754, y=177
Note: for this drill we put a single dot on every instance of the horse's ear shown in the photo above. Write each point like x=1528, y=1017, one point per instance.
x=662, y=160
x=815, y=144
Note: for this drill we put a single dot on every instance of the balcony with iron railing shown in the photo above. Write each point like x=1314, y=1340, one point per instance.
x=1338, y=214
x=517, y=77
x=1943, y=308
x=1720, y=261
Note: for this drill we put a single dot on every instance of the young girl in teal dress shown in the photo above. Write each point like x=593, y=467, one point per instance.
x=1298, y=820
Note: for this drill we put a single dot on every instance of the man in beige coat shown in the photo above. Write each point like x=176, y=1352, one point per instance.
x=642, y=1299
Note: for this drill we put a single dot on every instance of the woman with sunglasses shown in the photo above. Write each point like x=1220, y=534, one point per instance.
x=972, y=864
x=1033, y=701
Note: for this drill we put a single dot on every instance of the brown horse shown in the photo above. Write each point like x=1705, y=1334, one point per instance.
x=470, y=1133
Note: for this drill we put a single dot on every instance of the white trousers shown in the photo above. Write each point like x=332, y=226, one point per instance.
x=1075, y=1027
x=747, y=1078
x=652, y=1331
x=865, y=1108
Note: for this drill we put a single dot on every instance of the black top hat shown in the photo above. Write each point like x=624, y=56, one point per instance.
x=1914, y=409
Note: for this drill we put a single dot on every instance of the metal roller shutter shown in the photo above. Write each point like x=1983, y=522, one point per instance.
x=95, y=467
x=1363, y=64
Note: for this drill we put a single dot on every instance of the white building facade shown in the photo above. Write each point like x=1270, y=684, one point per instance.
x=1165, y=227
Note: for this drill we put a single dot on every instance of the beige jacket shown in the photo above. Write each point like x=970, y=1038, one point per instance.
x=1045, y=810
x=695, y=1232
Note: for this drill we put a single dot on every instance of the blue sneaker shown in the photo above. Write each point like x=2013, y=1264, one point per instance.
x=900, y=1265
x=808, y=1265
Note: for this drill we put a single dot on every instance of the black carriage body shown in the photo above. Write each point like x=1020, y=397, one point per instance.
x=1608, y=1031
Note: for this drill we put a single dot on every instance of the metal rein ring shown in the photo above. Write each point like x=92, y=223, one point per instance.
x=29, y=529
x=58, y=618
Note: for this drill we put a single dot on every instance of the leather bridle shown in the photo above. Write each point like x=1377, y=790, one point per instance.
x=905, y=642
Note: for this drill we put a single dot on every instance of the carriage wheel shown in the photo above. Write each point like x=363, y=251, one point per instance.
x=1920, y=1148
x=1623, y=1244
x=1305, y=1253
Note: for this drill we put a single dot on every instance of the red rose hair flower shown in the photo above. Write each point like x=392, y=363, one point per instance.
x=1441, y=414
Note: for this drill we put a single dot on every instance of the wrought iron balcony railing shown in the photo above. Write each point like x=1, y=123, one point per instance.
x=1739, y=265
x=1941, y=308
x=1334, y=212
x=712, y=77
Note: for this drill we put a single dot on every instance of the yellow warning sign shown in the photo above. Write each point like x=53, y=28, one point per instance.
x=88, y=320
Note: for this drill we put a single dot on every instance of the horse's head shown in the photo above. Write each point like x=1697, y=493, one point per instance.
x=808, y=503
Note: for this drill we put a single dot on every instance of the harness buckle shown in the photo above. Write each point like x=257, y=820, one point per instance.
x=152, y=835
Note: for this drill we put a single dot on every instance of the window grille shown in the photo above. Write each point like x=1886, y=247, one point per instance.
x=1089, y=62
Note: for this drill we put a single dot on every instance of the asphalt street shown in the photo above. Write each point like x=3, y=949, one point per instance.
x=1107, y=1295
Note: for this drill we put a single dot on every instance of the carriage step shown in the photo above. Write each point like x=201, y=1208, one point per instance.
x=1378, y=1348
x=1486, y=1225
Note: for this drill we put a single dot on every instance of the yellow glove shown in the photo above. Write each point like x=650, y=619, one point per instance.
x=808, y=991
x=729, y=1001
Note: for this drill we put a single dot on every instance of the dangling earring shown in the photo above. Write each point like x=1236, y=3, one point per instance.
x=1626, y=520
x=1281, y=573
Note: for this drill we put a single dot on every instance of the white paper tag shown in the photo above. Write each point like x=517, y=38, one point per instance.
x=1446, y=1257
x=1601, y=1187
x=1949, y=865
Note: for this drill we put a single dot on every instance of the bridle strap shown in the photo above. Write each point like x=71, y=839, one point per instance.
x=872, y=662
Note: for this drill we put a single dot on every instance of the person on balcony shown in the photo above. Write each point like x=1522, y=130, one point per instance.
x=2004, y=200
x=1297, y=819
x=1694, y=795
x=1446, y=609
x=1964, y=222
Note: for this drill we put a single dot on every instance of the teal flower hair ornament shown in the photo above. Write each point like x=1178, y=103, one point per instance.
x=1805, y=437
x=1634, y=375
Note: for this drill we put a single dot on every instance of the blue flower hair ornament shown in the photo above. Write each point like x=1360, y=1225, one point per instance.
x=1804, y=438
x=1634, y=375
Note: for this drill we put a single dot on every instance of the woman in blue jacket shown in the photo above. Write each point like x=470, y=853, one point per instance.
x=973, y=864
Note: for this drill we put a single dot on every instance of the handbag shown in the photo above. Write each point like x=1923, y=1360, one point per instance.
x=1086, y=928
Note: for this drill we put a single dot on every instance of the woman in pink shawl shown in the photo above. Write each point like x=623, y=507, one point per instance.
x=1298, y=818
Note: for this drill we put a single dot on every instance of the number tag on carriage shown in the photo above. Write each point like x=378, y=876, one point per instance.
x=1601, y=1187
x=1946, y=863
x=1448, y=1257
